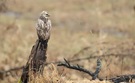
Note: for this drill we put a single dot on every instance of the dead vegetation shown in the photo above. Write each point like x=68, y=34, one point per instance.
x=84, y=30
x=95, y=75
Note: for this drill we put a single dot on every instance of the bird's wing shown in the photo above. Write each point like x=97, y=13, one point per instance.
x=40, y=24
x=49, y=25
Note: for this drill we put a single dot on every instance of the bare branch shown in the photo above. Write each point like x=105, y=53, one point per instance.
x=77, y=67
x=122, y=78
x=118, y=79
x=5, y=73
x=98, y=69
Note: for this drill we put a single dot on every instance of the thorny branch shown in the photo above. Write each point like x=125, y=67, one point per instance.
x=77, y=67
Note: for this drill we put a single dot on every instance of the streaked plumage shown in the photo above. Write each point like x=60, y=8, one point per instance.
x=43, y=26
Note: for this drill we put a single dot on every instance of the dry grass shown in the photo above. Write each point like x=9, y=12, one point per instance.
x=100, y=24
x=51, y=75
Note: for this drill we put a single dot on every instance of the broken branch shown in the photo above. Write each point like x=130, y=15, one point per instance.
x=77, y=67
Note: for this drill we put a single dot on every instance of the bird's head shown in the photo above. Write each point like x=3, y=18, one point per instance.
x=44, y=16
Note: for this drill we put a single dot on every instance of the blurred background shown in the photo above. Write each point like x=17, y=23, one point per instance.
x=97, y=24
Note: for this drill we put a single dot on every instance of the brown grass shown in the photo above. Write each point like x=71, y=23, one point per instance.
x=76, y=24
x=51, y=75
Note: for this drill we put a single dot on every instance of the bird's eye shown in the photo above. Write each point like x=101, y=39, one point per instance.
x=47, y=15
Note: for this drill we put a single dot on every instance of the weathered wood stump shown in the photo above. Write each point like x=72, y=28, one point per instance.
x=37, y=58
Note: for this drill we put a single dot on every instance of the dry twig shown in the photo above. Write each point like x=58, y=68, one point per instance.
x=77, y=67
x=122, y=78
x=118, y=79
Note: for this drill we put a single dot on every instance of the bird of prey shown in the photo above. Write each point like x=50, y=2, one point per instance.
x=43, y=26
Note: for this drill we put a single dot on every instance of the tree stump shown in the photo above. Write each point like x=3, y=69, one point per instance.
x=37, y=58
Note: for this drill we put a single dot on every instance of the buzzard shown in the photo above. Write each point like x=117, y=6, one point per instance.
x=43, y=26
